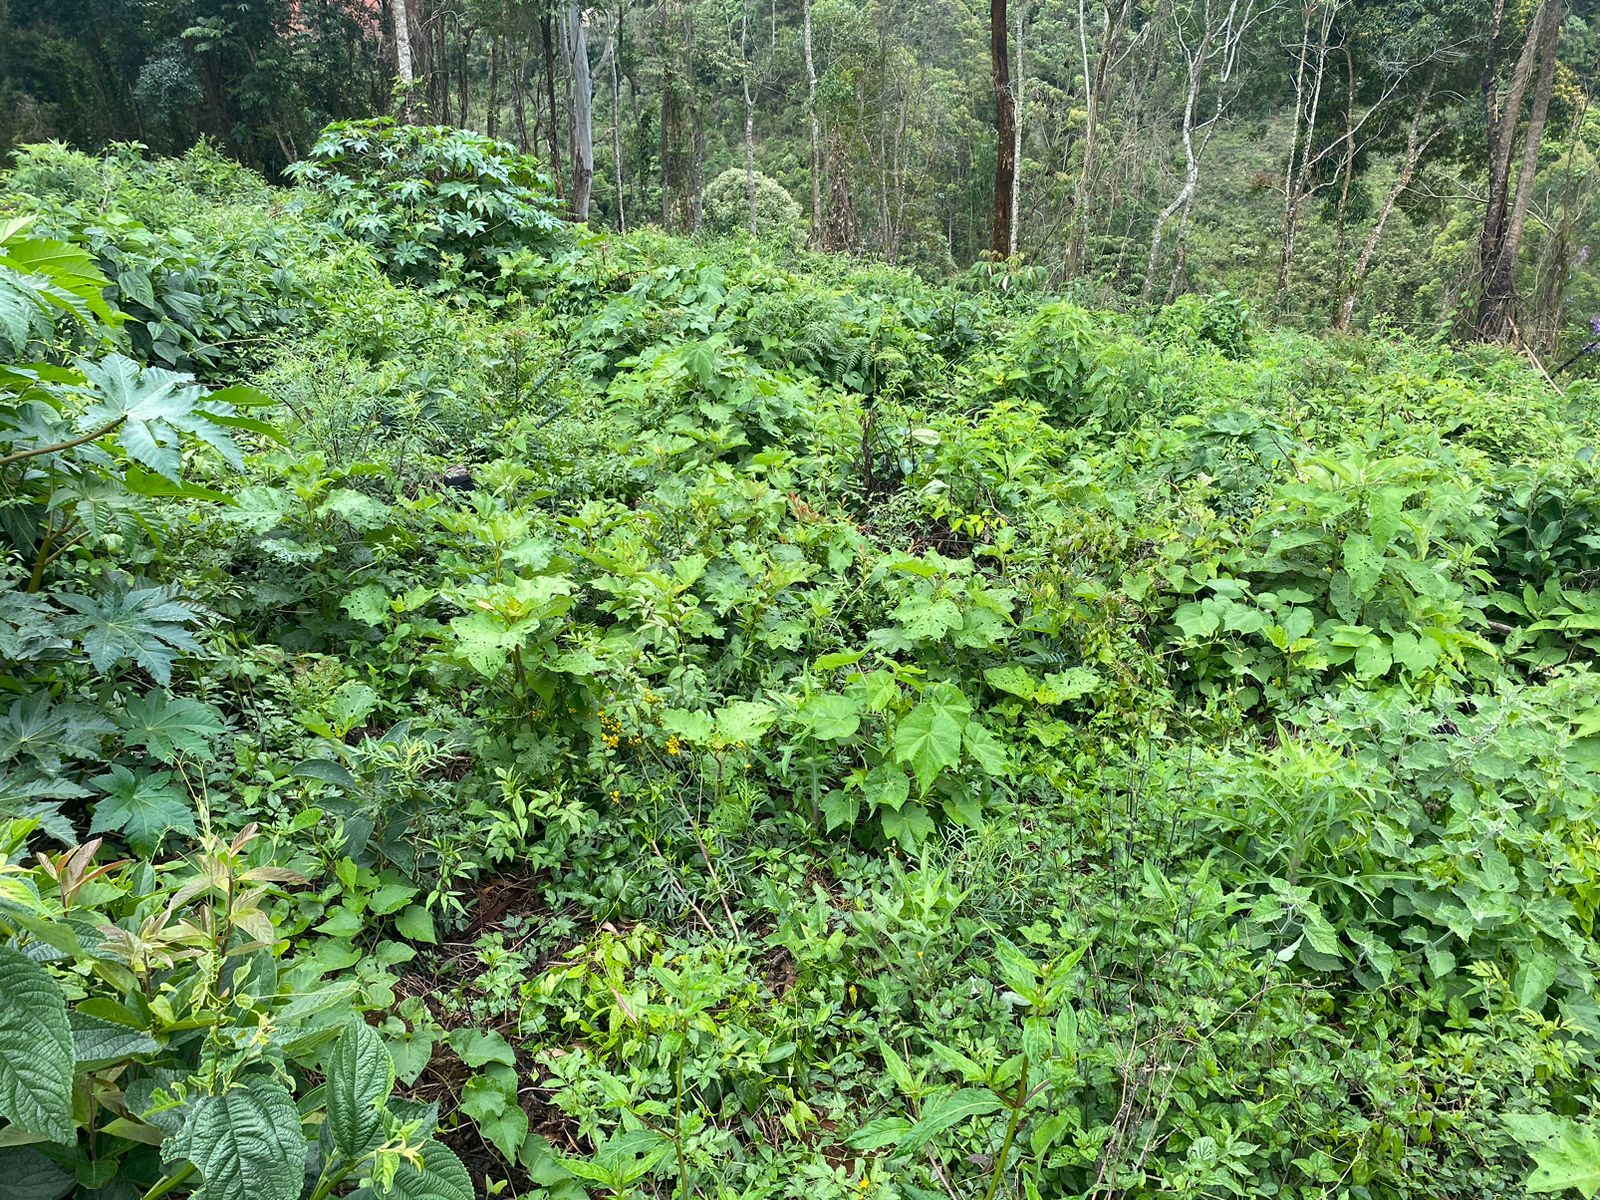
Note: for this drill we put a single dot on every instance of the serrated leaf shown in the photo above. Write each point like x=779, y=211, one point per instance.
x=1015, y=681
x=143, y=809
x=1571, y=1159
x=29, y=1175
x=156, y=407
x=441, y=1177
x=35, y=1050
x=167, y=726
x=928, y=739
x=691, y=726
x=744, y=721
x=829, y=718
x=145, y=625
x=36, y=730
x=1363, y=565
x=360, y=1077
x=96, y=1042
x=1038, y=1039
x=246, y=1143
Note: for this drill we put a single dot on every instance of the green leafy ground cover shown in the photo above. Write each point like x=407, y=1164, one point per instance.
x=492, y=709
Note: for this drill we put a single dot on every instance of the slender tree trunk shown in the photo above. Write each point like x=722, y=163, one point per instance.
x=1498, y=130
x=1016, y=139
x=1297, y=176
x=518, y=106
x=548, y=45
x=1553, y=270
x=616, y=120
x=1228, y=30
x=749, y=118
x=1415, y=146
x=1347, y=166
x=494, y=85
x=816, y=131
x=1191, y=177
x=697, y=129
x=582, y=112
x=402, y=55
x=466, y=54
x=1499, y=293
x=1005, y=161
x=1114, y=21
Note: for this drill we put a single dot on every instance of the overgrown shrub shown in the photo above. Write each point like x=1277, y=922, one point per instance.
x=434, y=203
x=726, y=207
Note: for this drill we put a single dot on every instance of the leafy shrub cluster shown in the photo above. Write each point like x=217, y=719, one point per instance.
x=434, y=203
x=670, y=720
x=727, y=207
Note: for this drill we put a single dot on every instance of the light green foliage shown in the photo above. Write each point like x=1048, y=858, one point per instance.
x=727, y=207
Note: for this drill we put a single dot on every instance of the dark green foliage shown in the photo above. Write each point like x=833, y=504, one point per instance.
x=750, y=723
x=437, y=205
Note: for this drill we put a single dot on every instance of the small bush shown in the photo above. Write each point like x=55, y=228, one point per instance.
x=727, y=207
x=433, y=202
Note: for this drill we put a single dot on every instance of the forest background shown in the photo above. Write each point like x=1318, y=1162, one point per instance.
x=1425, y=165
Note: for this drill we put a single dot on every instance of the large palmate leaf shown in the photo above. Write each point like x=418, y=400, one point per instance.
x=360, y=1074
x=36, y=731
x=929, y=738
x=167, y=726
x=246, y=1144
x=1569, y=1159
x=150, y=408
x=143, y=809
x=145, y=625
x=35, y=1050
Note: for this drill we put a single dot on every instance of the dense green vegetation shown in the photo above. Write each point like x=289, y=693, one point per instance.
x=492, y=707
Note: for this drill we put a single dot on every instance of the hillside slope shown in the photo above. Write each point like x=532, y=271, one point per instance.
x=758, y=726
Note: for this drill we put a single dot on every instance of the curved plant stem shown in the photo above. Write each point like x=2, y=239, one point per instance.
x=164, y=1186
x=1017, y=1106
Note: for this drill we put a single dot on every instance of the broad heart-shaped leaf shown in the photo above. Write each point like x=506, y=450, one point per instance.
x=168, y=726
x=360, y=1075
x=29, y=1175
x=929, y=738
x=143, y=624
x=1013, y=680
x=486, y=643
x=246, y=1143
x=142, y=808
x=1363, y=564
x=490, y=1099
x=830, y=718
x=480, y=1046
x=1571, y=1159
x=941, y=1112
x=35, y=1050
x=744, y=721
x=442, y=1177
